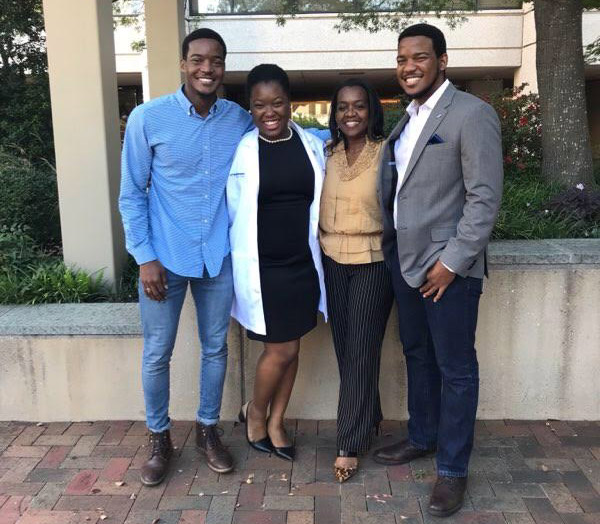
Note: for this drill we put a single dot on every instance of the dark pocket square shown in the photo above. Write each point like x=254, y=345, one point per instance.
x=435, y=139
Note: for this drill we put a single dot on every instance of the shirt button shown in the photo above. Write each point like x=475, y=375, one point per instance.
x=205, y=221
x=203, y=243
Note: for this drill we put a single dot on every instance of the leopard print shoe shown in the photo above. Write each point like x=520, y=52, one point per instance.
x=343, y=474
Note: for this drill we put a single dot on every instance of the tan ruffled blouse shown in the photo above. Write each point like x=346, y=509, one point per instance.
x=350, y=222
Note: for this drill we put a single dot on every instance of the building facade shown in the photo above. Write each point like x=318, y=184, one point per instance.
x=494, y=48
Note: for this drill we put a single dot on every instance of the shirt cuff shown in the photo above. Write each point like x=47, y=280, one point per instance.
x=448, y=268
x=143, y=254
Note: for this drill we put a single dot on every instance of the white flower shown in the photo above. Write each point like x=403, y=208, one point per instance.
x=546, y=211
x=580, y=186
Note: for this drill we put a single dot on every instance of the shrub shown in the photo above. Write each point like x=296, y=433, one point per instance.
x=29, y=198
x=54, y=282
x=127, y=290
x=29, y=275
x=392, y=113
x=579, y=201
x=531, y=209
x=308, y=121
x=26, y=118
x=519, y=115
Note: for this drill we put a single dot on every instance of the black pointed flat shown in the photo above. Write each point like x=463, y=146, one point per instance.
x=284, y=452
x=264, y=444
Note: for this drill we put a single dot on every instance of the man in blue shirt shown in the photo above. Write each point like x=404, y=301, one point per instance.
x=176, y=158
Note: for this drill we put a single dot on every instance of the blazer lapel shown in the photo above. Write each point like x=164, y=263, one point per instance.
x=435, y=119
x=386, y=174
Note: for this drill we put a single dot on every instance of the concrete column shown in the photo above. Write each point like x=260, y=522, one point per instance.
x=145, y=81
x=164, y=34
x=527, y=73
x=85, y=116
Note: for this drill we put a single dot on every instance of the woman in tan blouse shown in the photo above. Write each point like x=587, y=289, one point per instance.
x=358, y=285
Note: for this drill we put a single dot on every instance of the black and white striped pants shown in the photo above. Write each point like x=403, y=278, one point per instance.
x=359, y=300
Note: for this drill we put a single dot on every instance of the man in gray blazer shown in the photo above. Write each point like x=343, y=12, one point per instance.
x=440, y=185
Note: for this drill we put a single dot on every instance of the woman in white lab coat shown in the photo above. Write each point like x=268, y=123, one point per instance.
x=273, y=196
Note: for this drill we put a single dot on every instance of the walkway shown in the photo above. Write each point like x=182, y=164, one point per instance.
x=88, y=473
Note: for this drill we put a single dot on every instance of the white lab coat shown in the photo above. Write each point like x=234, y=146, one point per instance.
x=242, y=203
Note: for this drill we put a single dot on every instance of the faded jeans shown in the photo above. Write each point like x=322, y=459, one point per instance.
x=213, y=298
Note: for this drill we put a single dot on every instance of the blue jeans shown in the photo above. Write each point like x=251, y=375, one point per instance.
x=213, y=298
x=442, y=368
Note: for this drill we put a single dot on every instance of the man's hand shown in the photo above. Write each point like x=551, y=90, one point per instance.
x=154, y=280
x=438, y=279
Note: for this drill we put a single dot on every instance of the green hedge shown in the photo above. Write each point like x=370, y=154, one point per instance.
x=29, y=199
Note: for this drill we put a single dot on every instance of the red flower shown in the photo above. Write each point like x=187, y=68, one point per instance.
x=523, y=121
x=508, y=159
x=520, y=166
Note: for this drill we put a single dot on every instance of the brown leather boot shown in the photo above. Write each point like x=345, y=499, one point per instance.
x=155, y=469
x=208, y=442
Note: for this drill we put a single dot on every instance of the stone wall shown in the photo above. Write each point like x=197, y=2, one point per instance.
x=538, y=343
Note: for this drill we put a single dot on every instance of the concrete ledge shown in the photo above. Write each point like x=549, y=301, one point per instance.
x=71, y=319
x=538, y=342
x=545, y=252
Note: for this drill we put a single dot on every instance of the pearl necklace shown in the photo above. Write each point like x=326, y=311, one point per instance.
x=278, y=139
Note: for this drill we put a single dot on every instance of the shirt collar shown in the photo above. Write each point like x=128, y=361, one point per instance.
x=430, y=103
x=189, y=108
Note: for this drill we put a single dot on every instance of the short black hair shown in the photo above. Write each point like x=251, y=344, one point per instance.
x=267, y=73
x=431, y=32
x=375, y=122
x=203, y=32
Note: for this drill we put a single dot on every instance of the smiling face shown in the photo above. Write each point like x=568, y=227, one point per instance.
x=203, y=67
x=419, y=71
x=271, y=111
x=352, y=112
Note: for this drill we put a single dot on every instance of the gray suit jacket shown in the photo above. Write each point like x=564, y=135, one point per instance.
x=451, y=192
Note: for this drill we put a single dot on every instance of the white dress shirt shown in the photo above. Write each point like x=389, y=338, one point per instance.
x=403, y=148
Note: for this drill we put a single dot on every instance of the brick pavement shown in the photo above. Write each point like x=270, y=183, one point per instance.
x=522, y=472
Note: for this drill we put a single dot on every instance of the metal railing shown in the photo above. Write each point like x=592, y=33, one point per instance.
x=249, y=7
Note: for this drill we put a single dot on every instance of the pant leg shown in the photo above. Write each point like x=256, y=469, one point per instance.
x=336, y=287
x=452, y=322
x=370, y=299
x=423, y=376
x=159, y=324
x=213, y=298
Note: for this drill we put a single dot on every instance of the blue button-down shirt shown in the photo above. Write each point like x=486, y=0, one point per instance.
x=175, y=165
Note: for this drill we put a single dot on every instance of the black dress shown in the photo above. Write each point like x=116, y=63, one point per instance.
x=288, y=279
